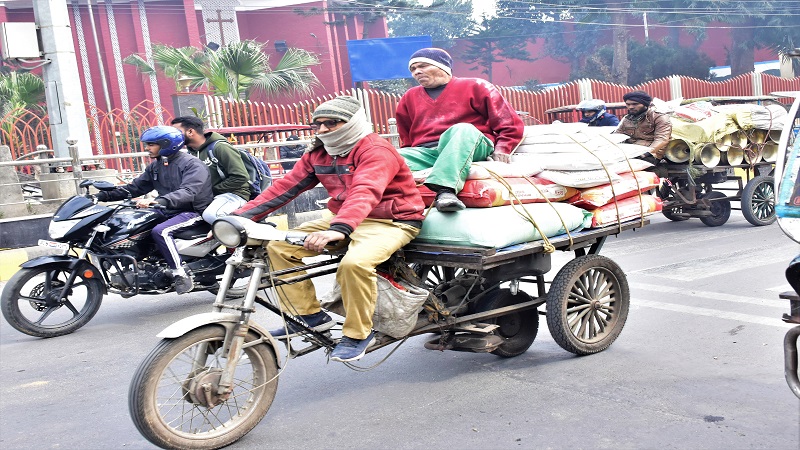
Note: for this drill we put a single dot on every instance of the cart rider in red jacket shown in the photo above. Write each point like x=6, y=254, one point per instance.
x=446, y=123
x=375, y=204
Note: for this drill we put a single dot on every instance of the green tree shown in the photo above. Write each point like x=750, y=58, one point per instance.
x=235, y=71
x=650, y=61
x=21, y=98
x=497, y=41
x=444, y=21
x=21, y=91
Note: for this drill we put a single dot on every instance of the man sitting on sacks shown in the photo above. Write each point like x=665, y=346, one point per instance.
x=446, y=123
x=376, y=205
x=645, y=126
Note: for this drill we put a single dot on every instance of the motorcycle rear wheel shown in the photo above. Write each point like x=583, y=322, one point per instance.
x=30, y=301
x=168, y=402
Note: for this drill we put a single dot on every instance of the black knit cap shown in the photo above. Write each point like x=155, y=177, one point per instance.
x=641, y=97
x=433, y=56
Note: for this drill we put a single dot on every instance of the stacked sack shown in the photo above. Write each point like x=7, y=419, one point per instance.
x=609, y=180
x=587, y=175
x=494, y=183
x=497, y=185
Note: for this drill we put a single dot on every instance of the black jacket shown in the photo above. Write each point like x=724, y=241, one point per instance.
x=181, y=180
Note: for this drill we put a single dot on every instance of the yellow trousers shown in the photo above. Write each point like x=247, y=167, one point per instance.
x=372, y=243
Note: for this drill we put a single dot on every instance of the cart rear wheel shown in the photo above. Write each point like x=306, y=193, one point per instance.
x=758, y=201
x=587, y=305
x=720, y=209
x=433, y=276
x=519, y=329
x=672, y=214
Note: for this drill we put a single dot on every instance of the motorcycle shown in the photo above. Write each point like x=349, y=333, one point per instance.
x=787, y=208
x=106, y=249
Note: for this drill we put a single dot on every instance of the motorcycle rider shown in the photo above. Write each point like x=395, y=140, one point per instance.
x=593, y=112
x=232, y=190
x=184, y=191
x=376, y=205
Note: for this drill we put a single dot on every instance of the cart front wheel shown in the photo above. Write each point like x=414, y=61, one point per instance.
x=720, y=209
x=587, y=305
x=518, y=329
x=758, y=201
x=174, y=399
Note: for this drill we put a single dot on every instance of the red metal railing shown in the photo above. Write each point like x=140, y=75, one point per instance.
x=118, y=131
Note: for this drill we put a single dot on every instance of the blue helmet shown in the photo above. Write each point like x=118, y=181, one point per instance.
x=169, y=138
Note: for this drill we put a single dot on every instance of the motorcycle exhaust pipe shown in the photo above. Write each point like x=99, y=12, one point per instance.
x=709, y=155
x=733, y=157
x=677, y=151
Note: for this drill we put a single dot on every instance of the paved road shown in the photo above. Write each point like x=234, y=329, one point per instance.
x=698, y=365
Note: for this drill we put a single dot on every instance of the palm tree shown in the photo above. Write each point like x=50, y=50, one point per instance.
x=235, y=71
x=21, y=98
x=23, y=91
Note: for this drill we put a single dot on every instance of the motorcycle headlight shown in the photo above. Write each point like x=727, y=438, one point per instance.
x=58, y=230
x=229, y=232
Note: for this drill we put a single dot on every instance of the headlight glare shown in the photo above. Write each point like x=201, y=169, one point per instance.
x=229, y=232
x=58, y=230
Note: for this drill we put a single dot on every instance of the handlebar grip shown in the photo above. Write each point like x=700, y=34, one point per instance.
x=296, y=238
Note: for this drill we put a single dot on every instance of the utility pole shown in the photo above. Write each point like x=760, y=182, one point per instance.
x=62, y=84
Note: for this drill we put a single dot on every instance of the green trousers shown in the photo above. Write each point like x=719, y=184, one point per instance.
x=372, y=243
x=458, y=147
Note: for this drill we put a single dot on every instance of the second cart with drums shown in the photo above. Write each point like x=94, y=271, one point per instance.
x=696, y=192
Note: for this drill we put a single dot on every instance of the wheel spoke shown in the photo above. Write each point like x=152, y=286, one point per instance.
x=577, y=320
x=578, y=308
x=71, y=307
x=578, y=297
x=46, y=314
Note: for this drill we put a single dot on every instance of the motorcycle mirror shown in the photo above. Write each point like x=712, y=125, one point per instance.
x=104, y=186
x=86, y=183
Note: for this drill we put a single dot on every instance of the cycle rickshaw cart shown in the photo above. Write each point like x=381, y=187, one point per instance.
x=213, y=376
x=745, y=156
x=691, y=193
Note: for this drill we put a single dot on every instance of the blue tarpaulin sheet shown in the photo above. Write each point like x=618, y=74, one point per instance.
x=383, y=59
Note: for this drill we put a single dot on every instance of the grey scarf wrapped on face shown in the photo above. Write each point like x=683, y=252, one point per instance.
x=341, y=141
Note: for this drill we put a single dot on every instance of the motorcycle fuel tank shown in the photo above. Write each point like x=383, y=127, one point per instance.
x=129, y=222
x=74, y=218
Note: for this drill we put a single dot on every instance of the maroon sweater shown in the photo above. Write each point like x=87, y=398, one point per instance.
x=421, y=119
x=371, y=181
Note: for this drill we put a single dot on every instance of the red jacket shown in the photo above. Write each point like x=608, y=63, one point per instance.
x=371, y=181
x=421, y=119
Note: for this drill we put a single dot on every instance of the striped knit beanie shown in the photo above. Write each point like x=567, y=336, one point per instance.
x=433, y=56
x=342, y=108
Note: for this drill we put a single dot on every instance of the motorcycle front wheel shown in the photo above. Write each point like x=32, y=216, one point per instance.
x=173, y=397
x=32, y=301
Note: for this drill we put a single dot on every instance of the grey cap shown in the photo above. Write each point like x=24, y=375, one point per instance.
x=342, y=108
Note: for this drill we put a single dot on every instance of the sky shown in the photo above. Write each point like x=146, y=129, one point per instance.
x=482, y=6
x=479, y=7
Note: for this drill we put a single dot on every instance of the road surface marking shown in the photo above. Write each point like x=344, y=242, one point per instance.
x=693, y=310
x=770, y=302
x=695, y=269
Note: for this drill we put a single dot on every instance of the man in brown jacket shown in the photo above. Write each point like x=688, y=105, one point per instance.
x=645, y=126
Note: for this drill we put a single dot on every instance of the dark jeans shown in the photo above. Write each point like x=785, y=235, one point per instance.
x=163, y=232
